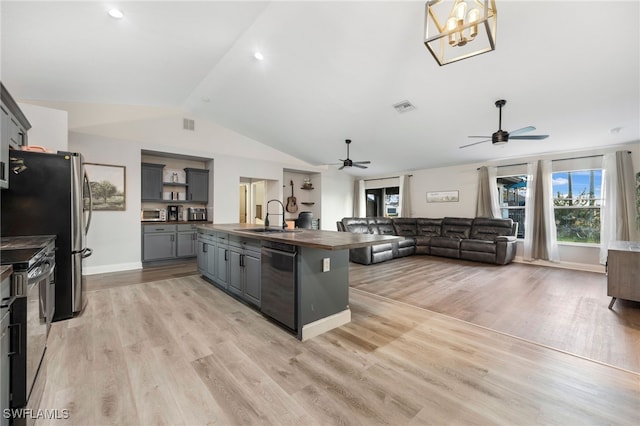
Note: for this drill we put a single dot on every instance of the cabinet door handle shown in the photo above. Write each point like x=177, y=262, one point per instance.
x=242, y=260
x=173, y=237
x=226, y=255
x=204, y=247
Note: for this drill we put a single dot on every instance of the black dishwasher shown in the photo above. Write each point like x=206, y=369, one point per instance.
x=278, y=286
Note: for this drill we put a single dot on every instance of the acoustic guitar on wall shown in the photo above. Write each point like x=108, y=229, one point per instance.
x=292, y=205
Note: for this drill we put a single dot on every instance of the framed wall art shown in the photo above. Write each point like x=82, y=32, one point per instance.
x=108, y=188
x=442, y=196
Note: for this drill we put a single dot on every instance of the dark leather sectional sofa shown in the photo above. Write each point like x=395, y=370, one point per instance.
x=480, y=239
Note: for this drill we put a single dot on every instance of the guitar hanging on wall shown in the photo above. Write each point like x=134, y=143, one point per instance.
x=292, y=205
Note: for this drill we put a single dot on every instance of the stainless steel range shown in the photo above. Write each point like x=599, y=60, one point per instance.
x=33, y=290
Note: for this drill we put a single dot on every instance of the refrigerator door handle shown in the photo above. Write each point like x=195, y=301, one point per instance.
x=87, y=252
x=86, y=228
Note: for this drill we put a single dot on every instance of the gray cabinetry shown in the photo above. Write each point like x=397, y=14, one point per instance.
x=4, y=350
x=151, y=180
x=244, y=268
x=158, y=242
x=186, y=240
x=13, y=132
x=222, y=260
x=206, y=251
x=197, y=185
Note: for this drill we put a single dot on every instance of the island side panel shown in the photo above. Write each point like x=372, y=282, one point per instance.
x=323, y=297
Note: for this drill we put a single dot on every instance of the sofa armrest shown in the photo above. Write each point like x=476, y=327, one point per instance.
x=506, y=238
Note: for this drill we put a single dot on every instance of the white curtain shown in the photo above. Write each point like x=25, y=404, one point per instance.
x=405, y=197
x=618, y=213
x=540, y=225
x=608, y=208
x=487, y=204
x=528, y=211
x=359, y=199
x=551, y=240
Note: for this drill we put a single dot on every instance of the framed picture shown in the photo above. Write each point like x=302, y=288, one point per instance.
x=442, y=196
x=107, y=186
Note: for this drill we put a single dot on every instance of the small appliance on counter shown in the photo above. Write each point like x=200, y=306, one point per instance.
x=197, y=214
x=153, y=215
x=174, y=213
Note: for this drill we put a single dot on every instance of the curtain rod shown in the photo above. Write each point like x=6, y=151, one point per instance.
x=390, y=177
x=558, y=159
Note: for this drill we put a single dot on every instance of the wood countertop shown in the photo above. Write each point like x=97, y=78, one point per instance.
x=326, y=240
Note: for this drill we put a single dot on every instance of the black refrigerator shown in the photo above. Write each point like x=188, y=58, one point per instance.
x=49, y=194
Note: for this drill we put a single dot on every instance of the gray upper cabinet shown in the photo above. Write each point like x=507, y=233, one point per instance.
x=197, y=185
x=13, y=132
x=151, y=180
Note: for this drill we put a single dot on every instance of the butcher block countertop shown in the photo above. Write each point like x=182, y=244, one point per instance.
x=326, y=240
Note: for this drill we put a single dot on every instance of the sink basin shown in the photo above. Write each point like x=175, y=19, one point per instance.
x=268, y=230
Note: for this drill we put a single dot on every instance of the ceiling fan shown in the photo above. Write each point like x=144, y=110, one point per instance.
x=349, y=163
x=501, y=136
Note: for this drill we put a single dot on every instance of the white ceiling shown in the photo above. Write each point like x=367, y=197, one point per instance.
x=333, y=70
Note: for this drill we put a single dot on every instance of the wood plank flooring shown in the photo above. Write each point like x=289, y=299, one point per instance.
x=560, y=308
x=179, y=351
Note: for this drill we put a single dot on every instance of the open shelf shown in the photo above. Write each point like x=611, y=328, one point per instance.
x=174, y=184
x=306, y=203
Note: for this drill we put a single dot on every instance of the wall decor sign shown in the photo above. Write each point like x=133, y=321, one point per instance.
x=107, y=186
x=442, y=196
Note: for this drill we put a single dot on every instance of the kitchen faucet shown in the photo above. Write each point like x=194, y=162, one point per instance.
x=266, y=219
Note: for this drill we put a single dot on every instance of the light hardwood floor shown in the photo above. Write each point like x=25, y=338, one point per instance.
x=179, y=351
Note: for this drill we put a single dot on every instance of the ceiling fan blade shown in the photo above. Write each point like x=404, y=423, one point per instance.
x=530, y=137
x=359, y=166
x=341, y=167
x=362, y=162
x=475, y=143
x=479, y=137
x=523, y=130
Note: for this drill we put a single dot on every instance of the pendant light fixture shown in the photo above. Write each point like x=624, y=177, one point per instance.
x=459, y=29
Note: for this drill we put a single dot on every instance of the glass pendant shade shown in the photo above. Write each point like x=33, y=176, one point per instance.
x=459, y=29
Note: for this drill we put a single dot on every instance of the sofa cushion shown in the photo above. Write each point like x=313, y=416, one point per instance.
x=488, y=229
x=456, y=227
x=428, y=227
x=445, y=242
x=356, y=225
x=381, y=226
x=405, y=226
x=377, y=248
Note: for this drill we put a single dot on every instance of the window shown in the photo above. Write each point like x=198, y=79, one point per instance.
x=383, y=201
x=577, y=198
x=512, y=192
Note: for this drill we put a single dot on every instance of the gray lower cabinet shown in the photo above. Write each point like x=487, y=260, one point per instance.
x=4, y=352
x=186, y=240
x=164, y=242
x=244, y=268
x=231, y=263
x=206, y=250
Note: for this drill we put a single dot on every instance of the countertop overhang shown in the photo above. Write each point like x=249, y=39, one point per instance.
x=326, y=240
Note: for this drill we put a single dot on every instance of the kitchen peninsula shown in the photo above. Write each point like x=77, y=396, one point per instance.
x=297, y=277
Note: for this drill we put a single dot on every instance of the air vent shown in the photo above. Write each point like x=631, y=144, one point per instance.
x=404, y=106
x=188, y=124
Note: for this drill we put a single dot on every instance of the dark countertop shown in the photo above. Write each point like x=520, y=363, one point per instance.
x=25, y=242
x=326, y=240
x=5, y=271
x=174, y=222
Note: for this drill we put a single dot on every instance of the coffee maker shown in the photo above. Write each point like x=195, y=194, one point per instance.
x=174, y=213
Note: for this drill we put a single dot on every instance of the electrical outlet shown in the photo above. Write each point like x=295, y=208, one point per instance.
x=326, y=264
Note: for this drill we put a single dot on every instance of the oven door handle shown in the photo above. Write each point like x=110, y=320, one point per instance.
x=46, y=272
x=7, y=302
x=12, y=339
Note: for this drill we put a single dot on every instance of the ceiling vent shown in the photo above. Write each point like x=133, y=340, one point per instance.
x=404, y=106
x=188, y=124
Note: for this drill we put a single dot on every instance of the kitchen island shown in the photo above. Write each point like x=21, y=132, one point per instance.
x=297, y=277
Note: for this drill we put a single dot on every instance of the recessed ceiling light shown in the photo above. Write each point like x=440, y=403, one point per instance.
x=116, y=13
x=259, y=56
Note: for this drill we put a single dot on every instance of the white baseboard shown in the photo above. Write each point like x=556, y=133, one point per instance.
x=565, y=265
x=103, y=269
x=323, y=325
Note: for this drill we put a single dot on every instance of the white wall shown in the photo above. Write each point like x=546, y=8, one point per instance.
x=337, y=198
x=49, y=127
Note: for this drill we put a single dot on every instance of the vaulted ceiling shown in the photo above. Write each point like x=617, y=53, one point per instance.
x=333, y=69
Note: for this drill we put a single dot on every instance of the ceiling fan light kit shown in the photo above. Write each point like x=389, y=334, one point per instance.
x=459, y=29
